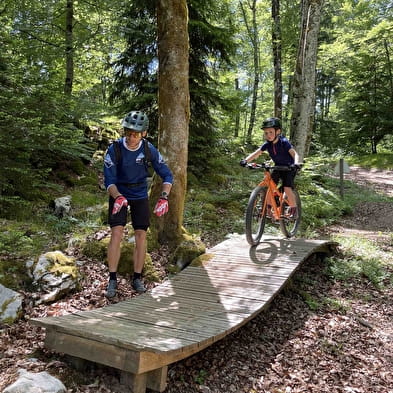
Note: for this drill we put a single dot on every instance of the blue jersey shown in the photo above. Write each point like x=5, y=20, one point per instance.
x=130, y=173
x=279, y=152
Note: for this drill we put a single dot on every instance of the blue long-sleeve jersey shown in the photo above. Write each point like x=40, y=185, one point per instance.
x=130, y=173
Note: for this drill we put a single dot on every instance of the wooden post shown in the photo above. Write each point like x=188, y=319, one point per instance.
x=342, y=177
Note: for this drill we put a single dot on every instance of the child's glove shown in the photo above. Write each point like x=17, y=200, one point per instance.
x=243, y=163
x=120, y=202
x=162, y=207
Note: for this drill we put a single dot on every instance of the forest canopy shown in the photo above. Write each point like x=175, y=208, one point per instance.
x=71, y=66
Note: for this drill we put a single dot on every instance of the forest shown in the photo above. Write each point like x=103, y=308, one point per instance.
x=71, y=69
x=207, y=73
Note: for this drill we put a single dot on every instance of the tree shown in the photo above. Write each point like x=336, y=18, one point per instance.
x=252, y=30
x=302, y=121
x=211, y=47
x=355, y=76
x=173, y=110
x=69, y=48
x=276, y=43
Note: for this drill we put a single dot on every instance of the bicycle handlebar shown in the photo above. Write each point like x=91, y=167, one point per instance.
x=253, y=165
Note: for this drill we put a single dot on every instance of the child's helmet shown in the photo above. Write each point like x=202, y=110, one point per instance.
x=136, y=120
x=271, y=122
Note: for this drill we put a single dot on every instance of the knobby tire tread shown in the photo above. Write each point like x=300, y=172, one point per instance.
x=257, y=196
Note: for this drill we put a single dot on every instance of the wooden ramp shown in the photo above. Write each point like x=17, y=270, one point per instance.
x=199, y=306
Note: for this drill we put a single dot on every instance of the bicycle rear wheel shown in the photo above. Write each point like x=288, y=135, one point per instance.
x=256, y=215
x=289, y=226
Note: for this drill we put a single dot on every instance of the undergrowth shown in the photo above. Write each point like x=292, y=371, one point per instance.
x=214, y=207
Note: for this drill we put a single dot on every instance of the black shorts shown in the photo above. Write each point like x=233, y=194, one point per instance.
x=287, y=177
x=140, y=214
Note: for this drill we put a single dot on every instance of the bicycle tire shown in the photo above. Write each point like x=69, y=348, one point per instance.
x=289, y=227
x=255, y=217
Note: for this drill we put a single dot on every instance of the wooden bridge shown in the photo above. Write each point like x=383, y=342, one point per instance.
x=199, y=306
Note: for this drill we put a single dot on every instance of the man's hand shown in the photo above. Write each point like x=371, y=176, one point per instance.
x=120, y=202
x=243, y=162
x=162, y=207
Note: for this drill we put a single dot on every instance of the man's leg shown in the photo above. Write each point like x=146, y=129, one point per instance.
x=139, y=250
x=139, y=259
x=113, y=258
x=114, y=247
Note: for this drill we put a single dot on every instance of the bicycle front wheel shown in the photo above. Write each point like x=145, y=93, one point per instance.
x=256, y=215
x=289, y=226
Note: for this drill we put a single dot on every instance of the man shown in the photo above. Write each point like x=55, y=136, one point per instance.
x=126, y=172
x=282, y=153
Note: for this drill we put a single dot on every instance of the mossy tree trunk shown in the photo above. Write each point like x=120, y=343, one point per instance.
x=174, y=113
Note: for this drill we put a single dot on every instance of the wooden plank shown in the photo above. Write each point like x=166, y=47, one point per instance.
x=242, y=277
x=137, y=337
x=190, y=305
x=182, y=326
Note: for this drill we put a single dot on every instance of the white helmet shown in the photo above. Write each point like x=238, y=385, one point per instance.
x=136, y=120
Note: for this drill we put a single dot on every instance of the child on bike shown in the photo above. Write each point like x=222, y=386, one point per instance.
x=283, y=154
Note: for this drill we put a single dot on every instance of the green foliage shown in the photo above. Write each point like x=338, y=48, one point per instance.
x=41, y=138
x=380, y=161
x=201, y=377
x=355, y=76
x=361, y=259
x=135, y=77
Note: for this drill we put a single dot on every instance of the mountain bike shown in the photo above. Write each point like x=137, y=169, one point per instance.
x=268, y=202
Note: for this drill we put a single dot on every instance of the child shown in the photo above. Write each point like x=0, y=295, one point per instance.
x=283, y=154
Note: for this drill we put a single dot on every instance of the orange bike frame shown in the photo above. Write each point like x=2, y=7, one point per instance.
x=271, y=190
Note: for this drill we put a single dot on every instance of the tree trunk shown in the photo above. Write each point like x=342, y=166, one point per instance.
x=237, y=115
x=276, y=42
x=303, y=113
x=253, y=34
x=69, y=48
x=173, y=112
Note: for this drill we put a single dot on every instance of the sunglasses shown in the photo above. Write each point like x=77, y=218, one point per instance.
x=135, y=134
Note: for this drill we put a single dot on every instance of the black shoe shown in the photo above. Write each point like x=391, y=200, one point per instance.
x=137, y=284
x=111, y=289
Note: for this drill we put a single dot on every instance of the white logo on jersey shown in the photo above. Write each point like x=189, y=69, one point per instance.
x=108, y=161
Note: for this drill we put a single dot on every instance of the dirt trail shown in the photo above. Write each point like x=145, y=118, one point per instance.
x=380, y=180
x=370, y=219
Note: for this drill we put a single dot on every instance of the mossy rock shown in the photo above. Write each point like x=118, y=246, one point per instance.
x=126, y=263
x=62, y=264
x=98, y=250
x=202, y=260
x=187, y=251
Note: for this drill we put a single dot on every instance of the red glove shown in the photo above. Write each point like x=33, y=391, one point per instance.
x=162, y=207
x=120, y=201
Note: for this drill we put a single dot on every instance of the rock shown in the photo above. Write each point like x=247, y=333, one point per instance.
x=187, y=251
x=35, y=383
x=56, y=274
x=10, y=305
x=62, y=206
